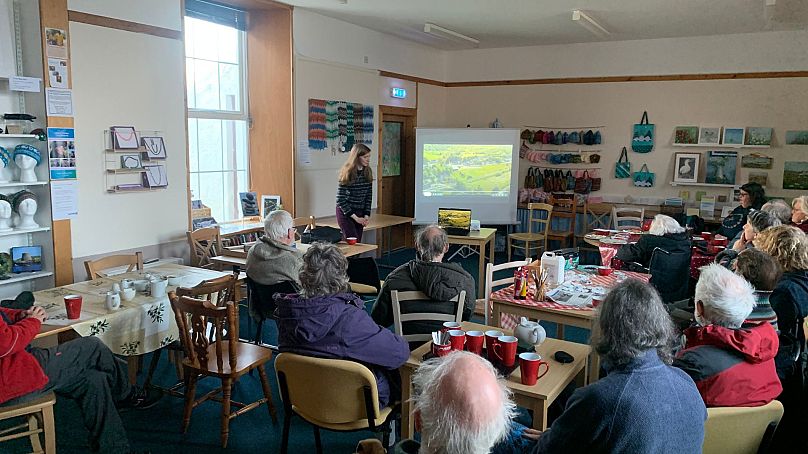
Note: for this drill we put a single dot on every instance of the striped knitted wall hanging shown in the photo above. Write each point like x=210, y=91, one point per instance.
x=331, y=130
x=317, y=132
x=338, y=125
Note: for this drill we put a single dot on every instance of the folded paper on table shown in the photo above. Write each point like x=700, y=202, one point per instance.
x=606, y=255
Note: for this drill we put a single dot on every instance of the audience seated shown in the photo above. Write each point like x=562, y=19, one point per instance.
x=756, y=222
x=83, y=369
x=643, y=405
x=763, y=272
x=274, y=259
x=799, y=212
x=732, y=366
x=439, y=281
x=664, y=233
x=752, y=197
x=326, y=320
x=777, y=208
x=457, y=414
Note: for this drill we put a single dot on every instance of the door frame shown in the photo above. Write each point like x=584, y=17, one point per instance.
x=409, y=144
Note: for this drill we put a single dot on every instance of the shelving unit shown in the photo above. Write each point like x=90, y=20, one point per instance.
x=22, y=277
x=24, y=231
x=18, y=136
x=714, y=185
x=143, y=189
x=717, y=145
x=13, y=184
x=116, y=175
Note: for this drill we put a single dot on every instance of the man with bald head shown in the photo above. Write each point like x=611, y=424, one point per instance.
x=455, y=414
x=439, y=281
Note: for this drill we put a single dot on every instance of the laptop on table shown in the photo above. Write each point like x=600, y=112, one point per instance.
x=456, y=221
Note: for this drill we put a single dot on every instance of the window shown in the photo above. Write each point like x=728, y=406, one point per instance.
x=217, y=110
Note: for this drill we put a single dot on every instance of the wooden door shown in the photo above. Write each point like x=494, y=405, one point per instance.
x=397, y=169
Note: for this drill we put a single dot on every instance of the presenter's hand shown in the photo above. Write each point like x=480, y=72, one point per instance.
x=367, y=220
x=356, y=219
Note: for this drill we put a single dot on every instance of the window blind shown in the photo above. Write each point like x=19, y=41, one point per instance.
x=216, y=13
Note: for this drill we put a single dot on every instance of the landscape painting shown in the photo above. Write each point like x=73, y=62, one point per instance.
x=759, y=136
x=756, y=161
x=721, y=167
x=795, y=175
x=686, y=135
x=796, y=137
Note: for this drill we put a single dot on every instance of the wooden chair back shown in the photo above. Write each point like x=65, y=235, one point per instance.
x=564, y=208
x=95, y=268
x=596, y=216
x=626, y=217
x=490, y=283
x=540, y=214
x=38, y=414
x=741, y=430
x=202, y=324
x=205, y=243
x=404, y=297
x=217, y=291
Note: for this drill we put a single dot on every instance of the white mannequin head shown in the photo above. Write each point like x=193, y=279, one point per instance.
x=27, y=207
x=5, y=209
x=25, y=162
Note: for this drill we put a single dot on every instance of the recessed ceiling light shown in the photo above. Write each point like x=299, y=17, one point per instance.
x=588, y=23
x=445, y=33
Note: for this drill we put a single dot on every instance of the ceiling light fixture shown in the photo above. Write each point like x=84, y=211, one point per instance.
x=579, y=17
x=445, y=33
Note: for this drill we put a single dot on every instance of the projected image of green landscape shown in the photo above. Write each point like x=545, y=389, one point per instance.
x=467, y=170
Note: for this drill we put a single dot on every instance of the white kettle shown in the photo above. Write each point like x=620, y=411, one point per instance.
x=529, y=333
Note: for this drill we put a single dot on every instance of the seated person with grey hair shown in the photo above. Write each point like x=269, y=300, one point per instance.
x=756, y=222
x=439, y=281
x=775, y=207
x=455, y=414
x=326, y=320
x=664, y=233
x=274, y=259
x=643, y=404
x=732, y=366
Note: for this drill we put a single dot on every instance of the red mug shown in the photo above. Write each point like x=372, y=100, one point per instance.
x=646, y=224
x=505, y=350
x=597, y=299
x=605, y=270
x=73, y=306
x=491, y=340
x=706, y=236
x=457, y=339
x=529, y=365
x=449, y=325
x=474, y=341
x=441, y=350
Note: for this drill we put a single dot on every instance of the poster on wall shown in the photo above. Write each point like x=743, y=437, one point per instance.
x=64, y=199
x=62, y=153
x=55, y=42
x=57, y=72
x=59, y=102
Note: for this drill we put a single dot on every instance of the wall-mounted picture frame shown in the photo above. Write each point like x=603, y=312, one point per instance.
x=124, y=138
x=733, y=135
x=26, y=259
x=760, y=178
x=249, y=204
x=269, y=203
x=721, y=167
x=686, y=135
x=758, y=136
x=756, y=161
x=131, y=161
x=797, y=137
x=155, y=176
x=709, y=136
x=155, y=148
x=686, y=167
x=795, y=175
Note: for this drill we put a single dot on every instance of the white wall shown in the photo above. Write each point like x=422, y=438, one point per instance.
x=160, y=13
x=754, y=52
x=124, y=78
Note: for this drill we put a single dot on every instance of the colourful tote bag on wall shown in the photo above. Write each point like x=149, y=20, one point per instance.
x=643, y=139
x=644, y=178
x=622, y=168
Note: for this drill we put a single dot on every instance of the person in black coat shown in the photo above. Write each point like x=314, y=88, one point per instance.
x=664, y=233
x=752, y=197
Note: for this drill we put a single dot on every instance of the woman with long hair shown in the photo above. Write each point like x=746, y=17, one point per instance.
x=355, y=192
x=752, y=197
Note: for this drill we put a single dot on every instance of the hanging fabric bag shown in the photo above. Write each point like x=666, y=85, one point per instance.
x=530, y=179
x=570, y=181
x=583, y=184
x=644, y=178
x=643, y=139
x=596, y=181
x=622, y=168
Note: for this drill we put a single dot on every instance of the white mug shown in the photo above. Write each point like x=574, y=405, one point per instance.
x=113, y=301
x=116, y=287
x=126, y=283
x=158, y=287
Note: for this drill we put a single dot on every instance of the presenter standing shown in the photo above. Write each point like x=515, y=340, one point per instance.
x=355, y=193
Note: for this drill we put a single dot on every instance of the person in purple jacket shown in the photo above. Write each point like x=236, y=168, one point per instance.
x=326, y=320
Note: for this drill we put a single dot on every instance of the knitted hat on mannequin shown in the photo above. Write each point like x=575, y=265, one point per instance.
x=27, y=150
x=5, y=198
x=5, y=156
x=19, y=197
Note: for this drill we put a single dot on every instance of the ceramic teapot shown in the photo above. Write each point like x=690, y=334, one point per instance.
x=529, y=333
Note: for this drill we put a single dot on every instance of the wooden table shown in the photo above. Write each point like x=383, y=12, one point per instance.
x=537, y=397
x=236, y=256
x=480, y=238
x=384, y=222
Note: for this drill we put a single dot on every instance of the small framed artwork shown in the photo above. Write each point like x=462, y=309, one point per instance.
x=249, y=203
x=270, y=203
x=686, y=135
x=720, y=167
x=760, y=178
x=759, y=136
x=26, y=258
x=155, y=176
x=686, y=167
x=131, y=161
x=709, y=136
x=155, y=148
x=733, y=136
x=796, y=137
x=756, y=161
x=124, y=138
x=795, y=175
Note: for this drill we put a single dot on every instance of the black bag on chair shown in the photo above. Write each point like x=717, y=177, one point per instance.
x=323, y=234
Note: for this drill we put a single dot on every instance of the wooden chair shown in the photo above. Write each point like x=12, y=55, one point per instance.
x=627, y=217
x=404, y=297
x=209, y=334
x=38, y=416
x=205, y=244
x=95, y=268
x=261, y=305
x=483, y=306
x=333, y=394
x=595, y=216
x=538, y=226
x=564, y=210
x=741, y=430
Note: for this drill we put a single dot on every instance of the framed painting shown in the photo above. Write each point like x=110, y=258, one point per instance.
x=733, y=136
x=686, y=167
x=709, y=136
x=686, y=135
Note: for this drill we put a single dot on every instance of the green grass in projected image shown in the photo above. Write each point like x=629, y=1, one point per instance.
x=467, y=170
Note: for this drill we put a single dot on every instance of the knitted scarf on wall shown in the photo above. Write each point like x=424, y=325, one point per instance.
x=359, y=123
x=367, y=125
x=342, y=124
x=317, y=133
x=331, y=128
x=349, y=130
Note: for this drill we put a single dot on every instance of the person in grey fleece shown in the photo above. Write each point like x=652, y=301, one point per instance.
x=274, y=258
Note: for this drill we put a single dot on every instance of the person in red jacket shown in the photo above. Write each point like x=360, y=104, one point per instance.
x=732, y=366
x=83, y=369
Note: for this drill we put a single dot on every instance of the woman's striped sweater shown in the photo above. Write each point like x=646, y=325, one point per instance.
x=355, y=198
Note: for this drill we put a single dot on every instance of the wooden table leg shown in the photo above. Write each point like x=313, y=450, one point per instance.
x=407, y=422
x=594, y=364
x=582, y=376
x=481, y=272
x=559, y=331
x=496, y=316
x=540, y=415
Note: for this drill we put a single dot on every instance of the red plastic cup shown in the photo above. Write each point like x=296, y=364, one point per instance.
x=449, y=326
x=597, y=299
x=351, y=240
x=491, y=340
x=646, y=224
x=529, y=365
x=73, y=306
x=707, y=236
x=605, y=270
x=505, y=350
x=474, y=341
x=457, y=338
x=441, y=350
